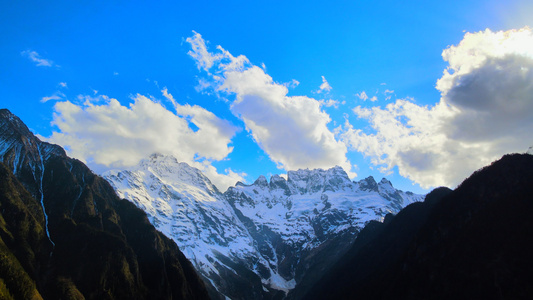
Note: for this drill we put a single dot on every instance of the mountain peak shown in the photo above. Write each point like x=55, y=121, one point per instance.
x=160, y=158
x=336, y=169
x=261, y=181
x=168, y=167
x=19, y=146
x=369, y=183
x=6, y=114
x=385, y=181
x=11, y=123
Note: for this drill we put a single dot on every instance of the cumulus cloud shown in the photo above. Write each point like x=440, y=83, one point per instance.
x=36, y=58
x=292, y=130
x=484, y=112
x=105, y=134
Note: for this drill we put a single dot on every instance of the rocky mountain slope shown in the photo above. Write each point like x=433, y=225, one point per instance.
x=258, y=241
x=64, y=233
x=470, y=243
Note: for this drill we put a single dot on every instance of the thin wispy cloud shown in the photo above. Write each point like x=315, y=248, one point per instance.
x=331, y=103
x=54, y=97
x=292, y=84
x=37, y=59
x=388, y=94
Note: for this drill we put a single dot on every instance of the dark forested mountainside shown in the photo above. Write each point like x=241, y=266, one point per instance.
x=64, y=234
x=470, y=243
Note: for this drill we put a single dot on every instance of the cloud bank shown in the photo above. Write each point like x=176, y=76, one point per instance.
x=484, y=112
x=292, y=130
x=105, y=134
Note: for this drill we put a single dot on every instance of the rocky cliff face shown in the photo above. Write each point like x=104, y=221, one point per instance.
x=258, y=240
x=67, y=234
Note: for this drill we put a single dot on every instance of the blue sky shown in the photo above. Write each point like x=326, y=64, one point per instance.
x=63, y=63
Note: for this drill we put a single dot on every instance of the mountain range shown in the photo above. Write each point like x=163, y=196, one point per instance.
x=260, y=240
x=162, y=230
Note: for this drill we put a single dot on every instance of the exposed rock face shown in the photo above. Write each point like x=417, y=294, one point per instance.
x=260, y=240
x=65, y=233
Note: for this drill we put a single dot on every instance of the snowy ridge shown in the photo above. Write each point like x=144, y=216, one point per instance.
x=314, y=204
x=270, y=227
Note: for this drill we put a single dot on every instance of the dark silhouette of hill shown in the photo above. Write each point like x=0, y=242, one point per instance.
x=471, y=243
x=64, y=234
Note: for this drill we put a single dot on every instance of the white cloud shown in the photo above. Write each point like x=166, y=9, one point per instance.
x=324, y=86
x=291, y=130
x=36, y=58
x=63, y=84
x=330, y=103
x=362, y=95
x=204, y=59
x=292, y=84
x=388, y=94
x=222, y=181
x=105, y=134
x=484, y=112
x=56, y=96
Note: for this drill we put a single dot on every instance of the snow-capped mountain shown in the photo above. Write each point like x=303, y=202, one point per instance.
x=184, y=205
x=258, y=240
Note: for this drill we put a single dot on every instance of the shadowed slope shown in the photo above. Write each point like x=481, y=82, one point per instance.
x=472, y=243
